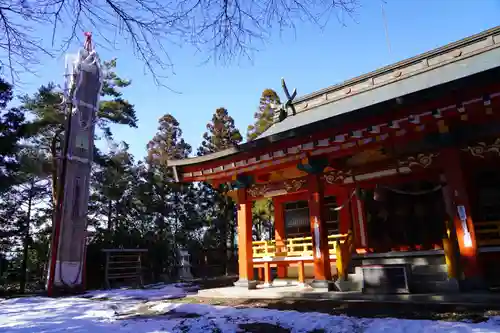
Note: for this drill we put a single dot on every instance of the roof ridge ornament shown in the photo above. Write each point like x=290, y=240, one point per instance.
x=282, y=112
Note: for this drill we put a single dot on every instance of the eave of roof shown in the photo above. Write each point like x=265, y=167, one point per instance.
x=419, y=81
x=482, y=52
x=204, y=158
x=404, y=63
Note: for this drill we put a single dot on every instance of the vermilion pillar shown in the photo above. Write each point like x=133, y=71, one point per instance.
x=279, y=233
x=451, y=164
x=322, y=272
x=245, y=265
x=343, y=197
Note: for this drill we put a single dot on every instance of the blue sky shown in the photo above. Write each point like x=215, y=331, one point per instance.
x=309, y=59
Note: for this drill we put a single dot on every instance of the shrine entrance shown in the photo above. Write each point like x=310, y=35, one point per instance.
x=406, y=217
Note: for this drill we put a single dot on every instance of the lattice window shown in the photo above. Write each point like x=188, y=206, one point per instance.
x=297, y=220
x=331, y=215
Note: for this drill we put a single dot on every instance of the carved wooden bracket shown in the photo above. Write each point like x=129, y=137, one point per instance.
x=420, y=160
x=481, y=148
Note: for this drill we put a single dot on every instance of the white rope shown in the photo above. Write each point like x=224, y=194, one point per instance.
x=88, y=62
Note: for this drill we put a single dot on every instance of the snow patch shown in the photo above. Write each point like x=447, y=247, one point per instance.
x=101, y=312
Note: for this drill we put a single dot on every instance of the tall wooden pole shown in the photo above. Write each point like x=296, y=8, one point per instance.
x=71, y=208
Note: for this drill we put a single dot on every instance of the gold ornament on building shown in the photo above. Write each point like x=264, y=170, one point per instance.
x=482, y=148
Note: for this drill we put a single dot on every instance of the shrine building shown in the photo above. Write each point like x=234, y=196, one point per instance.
x=388, y=182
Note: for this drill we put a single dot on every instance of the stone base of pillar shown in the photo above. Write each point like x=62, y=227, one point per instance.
x=323, y=284
x=476, y=283
x=284, y=282
x=242, y=283
x=451, y=286
x=346, y=285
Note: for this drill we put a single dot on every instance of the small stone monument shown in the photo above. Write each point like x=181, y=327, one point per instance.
x=185, y=265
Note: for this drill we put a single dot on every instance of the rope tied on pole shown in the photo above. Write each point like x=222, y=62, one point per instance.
x=87, y=45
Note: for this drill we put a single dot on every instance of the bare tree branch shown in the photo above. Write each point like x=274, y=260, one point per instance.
x=224, y=29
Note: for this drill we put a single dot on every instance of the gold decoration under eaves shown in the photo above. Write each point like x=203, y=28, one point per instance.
x=482, y=148
x=256, y=191
x=421, y=160
x=337, y=176
x=294, y=185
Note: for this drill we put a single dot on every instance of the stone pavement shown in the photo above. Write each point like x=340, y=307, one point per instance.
x=306, y=293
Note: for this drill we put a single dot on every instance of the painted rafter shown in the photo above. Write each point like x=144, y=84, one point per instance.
x=343, y=143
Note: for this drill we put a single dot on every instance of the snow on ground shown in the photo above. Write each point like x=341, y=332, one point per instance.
x=112, y=311
x=151, y=293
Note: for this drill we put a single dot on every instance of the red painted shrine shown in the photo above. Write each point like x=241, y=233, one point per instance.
x=387, y=182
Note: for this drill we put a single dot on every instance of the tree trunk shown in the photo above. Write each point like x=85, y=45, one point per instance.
x=55, y=163
x=110, y=215
x=232, y=246
x=26, y=235
x=225, y=223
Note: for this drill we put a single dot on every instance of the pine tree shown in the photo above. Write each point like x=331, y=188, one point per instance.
x=262, y=210
x=49, y=116
x=221, y=134
x=168, y=143
x=175, y=203
x=13, y=128
x=111, y=183
x=269, y=100
x=20, y=211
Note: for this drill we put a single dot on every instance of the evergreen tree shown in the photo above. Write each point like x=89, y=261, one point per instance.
x=262, y=218
x=269, y=100
x=221, y=134
x=175, y=203
x=46, y=107
x=167, y=143
x=111, y=182
x=262, y=210
x=21, y=214
x=13, y=128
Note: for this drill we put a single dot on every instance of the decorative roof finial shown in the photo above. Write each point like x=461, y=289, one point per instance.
x=282, y=112
x=289, y=98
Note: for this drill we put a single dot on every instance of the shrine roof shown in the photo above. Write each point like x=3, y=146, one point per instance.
x=455, y=61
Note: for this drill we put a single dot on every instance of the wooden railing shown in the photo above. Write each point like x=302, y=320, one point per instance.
x=488, y=233
x=293, y=247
